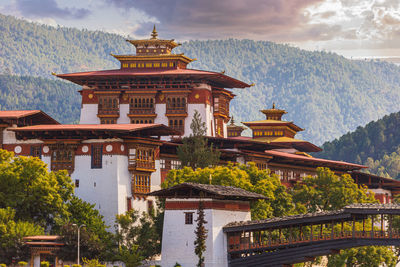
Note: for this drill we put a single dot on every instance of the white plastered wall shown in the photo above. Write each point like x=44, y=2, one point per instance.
x=178, y=237
x=206, y=116
x=123, y=114
x=9, y=138
x=89, y=114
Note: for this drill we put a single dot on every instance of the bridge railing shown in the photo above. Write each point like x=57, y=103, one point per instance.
x=241, y=242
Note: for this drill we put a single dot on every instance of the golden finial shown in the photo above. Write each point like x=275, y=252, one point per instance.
x=154, y=33
x=232, y=121
x=273, y=105
x=253, y=84
x=53, y=73
x=223, y=72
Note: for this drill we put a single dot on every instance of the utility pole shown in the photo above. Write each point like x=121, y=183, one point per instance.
x=79, y=229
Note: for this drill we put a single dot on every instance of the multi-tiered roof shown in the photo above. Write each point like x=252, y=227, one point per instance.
x=153, y=60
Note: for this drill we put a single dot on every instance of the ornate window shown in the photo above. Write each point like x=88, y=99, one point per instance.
x=177, y=124
x=142, y=158
x=142, y=105
x=141, y=183
x=176, y=105
x=36, y=151
x=141, y=121
x=97, y=156
x=62, y=158
x=108, y=105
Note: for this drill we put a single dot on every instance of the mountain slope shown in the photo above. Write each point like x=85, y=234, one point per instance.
x=374, y=140
x=324, y=93
x=58, y=99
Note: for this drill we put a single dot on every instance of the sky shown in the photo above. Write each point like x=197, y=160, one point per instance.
x=353, y=28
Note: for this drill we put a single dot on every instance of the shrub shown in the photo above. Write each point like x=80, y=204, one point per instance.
x=44, y=264
x=3, y=265
x=22, y=263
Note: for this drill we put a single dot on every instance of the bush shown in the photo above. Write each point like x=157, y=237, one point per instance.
x=76, y=265
x=3, y=265
x=44, y=264
x=177, y=265
x=22, y=263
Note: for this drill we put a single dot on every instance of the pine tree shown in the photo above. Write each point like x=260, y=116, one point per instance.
x=195, y=151
x=201, y=235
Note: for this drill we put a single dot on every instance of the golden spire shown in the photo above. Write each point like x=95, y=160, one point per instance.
x=232, y=121
x=154, y=33
x=273, y=105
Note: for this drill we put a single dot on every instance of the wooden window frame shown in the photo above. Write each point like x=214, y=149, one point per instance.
x=96, y=156
x=36, y=151
x=63, y=158
x=189, y=218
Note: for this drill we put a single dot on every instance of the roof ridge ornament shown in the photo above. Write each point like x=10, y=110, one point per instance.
x=154, y=33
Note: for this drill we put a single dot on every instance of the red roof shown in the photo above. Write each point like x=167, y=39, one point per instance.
x=42, y=237
x=36, y=116
x=313, y=160
x=15, y=114
x=77, y=131
x=73, y=127
x=217, y=77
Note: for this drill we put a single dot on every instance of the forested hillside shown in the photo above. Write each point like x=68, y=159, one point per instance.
x=324, y=93
x=376, y=145
x=59, y=99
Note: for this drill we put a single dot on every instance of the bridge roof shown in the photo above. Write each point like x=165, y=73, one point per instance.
x=345, y=214
x=193, y=190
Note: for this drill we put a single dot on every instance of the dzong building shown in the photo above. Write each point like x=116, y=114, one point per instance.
x=132, y=120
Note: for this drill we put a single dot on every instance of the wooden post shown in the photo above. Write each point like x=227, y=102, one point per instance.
x=372, y=226
x=301, y=233
x=270, y=237
x=332, y=233
x=341, y=231
x=280, y=235
x=382, y=226
x=354, y=226
x=390, y=225
x=363, y=225
x=320, y=231
x=311, y=233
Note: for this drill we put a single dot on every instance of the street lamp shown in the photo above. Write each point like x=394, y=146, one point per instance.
x=79, y=229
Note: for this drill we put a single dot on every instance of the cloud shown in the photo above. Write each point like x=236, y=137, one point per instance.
x=48, y=9
x=278, y=20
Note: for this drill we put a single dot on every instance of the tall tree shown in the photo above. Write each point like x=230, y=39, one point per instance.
x=201, y=235
x=195, y=151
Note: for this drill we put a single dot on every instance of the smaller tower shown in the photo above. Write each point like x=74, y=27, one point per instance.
x=234, y=130
x=222, y=205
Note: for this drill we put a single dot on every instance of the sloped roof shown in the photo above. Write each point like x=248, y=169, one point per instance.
x=319, y=161
x=192, y=190
x=216, y=77
x=36, y=116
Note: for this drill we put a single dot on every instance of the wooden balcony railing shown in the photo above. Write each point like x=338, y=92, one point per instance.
x=141, y=111
x=108, y=111
x=177, y=110
x=238, y=243
x=142, y=164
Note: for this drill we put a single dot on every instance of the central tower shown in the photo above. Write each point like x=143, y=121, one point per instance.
x=155, y=86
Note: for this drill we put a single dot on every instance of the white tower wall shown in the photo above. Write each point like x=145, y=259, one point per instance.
x=178, y=237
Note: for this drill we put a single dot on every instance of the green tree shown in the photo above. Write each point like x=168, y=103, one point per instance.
x=96, y=241
x=248, y=177
x=201, y=235
x=11, y=234
x=35, y=194
x=195, y=151
x=328, y=191
x=138, y=234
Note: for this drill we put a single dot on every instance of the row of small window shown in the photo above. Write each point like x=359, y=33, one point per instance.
x=176, y=102
x=268, y=133
x=233, y=134
x=141, y=103
x=108, y=121
x=276, y=118
x=168, y=164
x=108, y=103
x=148, y=65
x=138, y=121
x=149, y=50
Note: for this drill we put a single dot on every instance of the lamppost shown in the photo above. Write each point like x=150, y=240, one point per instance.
x=79, y=229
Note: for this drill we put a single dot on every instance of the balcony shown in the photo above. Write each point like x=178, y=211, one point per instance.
x=142, y=165
x=112, y=112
